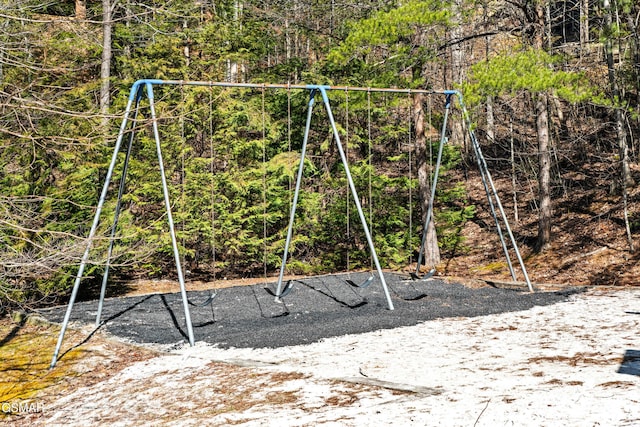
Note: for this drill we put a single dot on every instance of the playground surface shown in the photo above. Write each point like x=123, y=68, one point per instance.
x=447, y=355
x=316, y=308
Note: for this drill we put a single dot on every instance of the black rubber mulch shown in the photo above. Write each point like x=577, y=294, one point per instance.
x=316, y=308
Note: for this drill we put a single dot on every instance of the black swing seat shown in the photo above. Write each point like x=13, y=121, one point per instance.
x=428, y=275
x=206, y=302
x=362, y=285
x=286, y=291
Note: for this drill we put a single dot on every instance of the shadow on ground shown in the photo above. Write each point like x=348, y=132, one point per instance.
x=316, y=308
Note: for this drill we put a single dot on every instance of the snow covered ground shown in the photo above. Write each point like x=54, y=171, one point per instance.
x=574, y=363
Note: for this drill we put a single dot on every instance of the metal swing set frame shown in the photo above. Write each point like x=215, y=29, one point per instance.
x=145, y=87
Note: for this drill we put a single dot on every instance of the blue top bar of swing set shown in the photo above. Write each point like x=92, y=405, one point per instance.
x=135, y=89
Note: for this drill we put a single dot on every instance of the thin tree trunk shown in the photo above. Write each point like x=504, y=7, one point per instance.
x=491, y=126
x=584, y=24
x=627, y=226
x=187, y=45
x=105, y=67
x=235, y=69
x=514, y=179
x=458, y=134
x=432, y=251
x=623, y=148
x=545, y=211
x=635, y=53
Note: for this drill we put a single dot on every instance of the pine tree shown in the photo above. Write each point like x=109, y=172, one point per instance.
x=399, y=47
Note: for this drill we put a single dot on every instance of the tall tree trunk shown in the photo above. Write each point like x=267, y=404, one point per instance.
x=514, y=178
x=105, y=67
x=635, y=51
x=432, y=251
x=491, y=125
x=544, y=173
x=187, y=45
x=544, y=141
x=458, y=134
x=235, y=70
x=623, y=147
x=491, y=122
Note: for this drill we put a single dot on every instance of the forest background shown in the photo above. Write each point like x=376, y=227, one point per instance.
x=552, y=87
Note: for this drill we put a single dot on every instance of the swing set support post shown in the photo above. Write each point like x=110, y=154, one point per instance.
x=492, y=194
x=434, y=184
x=325, y=99
x=116, y=216
x=356, y=199
x=167, y=203
x=294, y=203
x=135, y=96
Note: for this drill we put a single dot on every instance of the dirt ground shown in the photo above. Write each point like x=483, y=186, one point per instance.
x=589, y=245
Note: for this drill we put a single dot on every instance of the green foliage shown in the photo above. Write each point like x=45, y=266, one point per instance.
x=528, y=70
x=450, y=218
x=395, y=30
x=391, y=47
x=453, y=209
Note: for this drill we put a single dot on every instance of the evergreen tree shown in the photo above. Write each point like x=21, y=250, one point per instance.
x=400, y=47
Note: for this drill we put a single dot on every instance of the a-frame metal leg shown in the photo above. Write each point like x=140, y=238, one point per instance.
x=356, y=199
x=485, y=171
x=279, y=291
x=483, y=177
x=116, y=216
x=434, y=184
x=492, y=194
x=167, y=202
x=136, y=92
x=135, y=96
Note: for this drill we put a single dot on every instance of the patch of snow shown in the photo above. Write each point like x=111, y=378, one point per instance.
x=550, y=365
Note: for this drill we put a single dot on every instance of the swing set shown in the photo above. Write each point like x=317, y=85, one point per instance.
x=145, y=88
